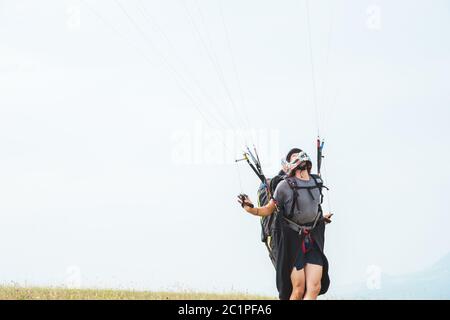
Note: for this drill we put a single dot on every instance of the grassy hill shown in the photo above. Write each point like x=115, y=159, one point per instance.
x=22, y=293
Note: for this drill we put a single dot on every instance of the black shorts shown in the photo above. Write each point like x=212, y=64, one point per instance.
x=313, y=256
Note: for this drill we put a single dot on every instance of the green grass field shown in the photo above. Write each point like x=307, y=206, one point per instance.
x=22, y=293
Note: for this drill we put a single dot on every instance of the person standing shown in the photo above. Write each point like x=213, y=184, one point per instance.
x=301, y=266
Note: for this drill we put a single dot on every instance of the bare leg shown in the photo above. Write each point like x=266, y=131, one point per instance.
x=313, y=275
x=298, y=284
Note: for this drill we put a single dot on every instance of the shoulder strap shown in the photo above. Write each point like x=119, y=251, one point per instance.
x=317, y=180
x=293, y=186
x=274, y=182
x=291, y=182
x=319, y=184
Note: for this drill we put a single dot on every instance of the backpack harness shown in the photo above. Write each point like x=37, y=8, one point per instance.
x=304, y=230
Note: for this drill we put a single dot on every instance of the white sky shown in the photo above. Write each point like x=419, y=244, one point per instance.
x=107, y=166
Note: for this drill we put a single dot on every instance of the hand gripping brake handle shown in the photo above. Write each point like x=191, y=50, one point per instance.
x=243, y=200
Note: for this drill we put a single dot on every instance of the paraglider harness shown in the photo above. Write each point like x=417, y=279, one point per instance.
x=304, y=230
x=270, y=225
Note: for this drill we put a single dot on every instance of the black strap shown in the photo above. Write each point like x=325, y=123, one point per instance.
x=319, y=185
x=294, y=189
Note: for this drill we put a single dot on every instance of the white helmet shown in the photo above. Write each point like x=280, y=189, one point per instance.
x=296, y=160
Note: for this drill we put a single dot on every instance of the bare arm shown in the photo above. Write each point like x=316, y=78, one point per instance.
x=264, y=211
